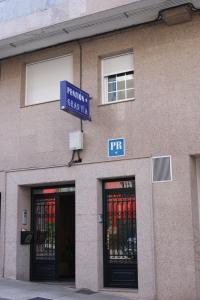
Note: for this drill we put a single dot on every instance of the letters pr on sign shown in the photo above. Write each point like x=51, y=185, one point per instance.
x=116, y=147
x=74, y=100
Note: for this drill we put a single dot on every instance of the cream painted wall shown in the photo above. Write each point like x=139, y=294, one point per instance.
x=18, y=17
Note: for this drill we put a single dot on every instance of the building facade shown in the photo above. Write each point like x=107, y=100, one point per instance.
x=125, y=217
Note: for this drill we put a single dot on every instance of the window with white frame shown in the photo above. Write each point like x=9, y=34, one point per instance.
x=43, y=79
x=118, y=78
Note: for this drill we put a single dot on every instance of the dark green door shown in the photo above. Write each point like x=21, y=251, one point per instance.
x=53, y=226
x=44, y=244
x=120, y=236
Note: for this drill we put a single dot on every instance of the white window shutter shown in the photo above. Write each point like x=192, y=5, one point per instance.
x=117, y=64
x=43, y=79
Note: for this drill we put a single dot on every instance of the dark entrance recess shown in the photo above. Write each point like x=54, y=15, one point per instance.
x=53, y=226
x=120, y=235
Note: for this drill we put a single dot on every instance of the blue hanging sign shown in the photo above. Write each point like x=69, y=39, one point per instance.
x=74, y=100
x=116, y=147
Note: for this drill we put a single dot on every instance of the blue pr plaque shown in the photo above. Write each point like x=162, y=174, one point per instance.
x=116, y=147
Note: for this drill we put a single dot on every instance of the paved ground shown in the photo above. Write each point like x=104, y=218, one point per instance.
x=20, y=290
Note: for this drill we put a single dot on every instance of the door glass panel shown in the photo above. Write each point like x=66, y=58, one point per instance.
x=53, y=226
x=121, y=228
x=122, y=184
x=120, y=234
x=42, y=191
x=44, y=216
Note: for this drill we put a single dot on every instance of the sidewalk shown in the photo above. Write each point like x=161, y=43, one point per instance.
x=21, y=290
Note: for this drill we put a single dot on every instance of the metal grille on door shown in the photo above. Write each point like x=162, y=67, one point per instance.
x=120, y=249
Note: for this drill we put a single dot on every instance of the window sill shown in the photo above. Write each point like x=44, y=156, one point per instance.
x=36, y=104
x=116, y=102
x=119, y=290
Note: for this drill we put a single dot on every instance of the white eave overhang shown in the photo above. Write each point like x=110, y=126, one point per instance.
x=135, y=13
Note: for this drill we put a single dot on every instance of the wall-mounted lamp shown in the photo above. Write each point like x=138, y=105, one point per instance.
x=176, y=15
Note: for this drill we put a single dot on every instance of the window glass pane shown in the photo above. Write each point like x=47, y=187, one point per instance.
x=129, y=84
x=39, y=191
x=112, y=78
x=111, y=86
x=66, y=189
x=111, y=96
x=121, y=77
x=121, y=85
x=44, y=212
x=49, y=190
x=109, y=185
x=121, y=95
x=130, y=94
x=129, y=75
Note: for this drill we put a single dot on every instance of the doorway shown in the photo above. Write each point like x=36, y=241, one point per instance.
x=120, y=234
x=66, y=237
x=53, y=226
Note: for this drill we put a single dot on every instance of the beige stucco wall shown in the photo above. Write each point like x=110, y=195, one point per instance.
x=2, y=221
x=164, y=119
x=164, y=113
x=195, y=193
x=89, y=250
x=174, y=234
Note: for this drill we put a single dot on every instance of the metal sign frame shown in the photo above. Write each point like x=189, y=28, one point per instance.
x=74, y=100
